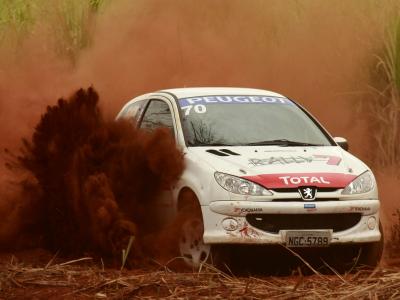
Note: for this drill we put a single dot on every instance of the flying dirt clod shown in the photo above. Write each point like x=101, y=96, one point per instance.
x=97, y=179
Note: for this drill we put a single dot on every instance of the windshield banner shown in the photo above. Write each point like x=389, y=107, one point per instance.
x=232, y=99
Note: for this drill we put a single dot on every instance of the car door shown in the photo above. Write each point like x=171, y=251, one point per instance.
x=158, y=113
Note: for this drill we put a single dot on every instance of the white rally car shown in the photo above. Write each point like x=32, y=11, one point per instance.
x=260, y=170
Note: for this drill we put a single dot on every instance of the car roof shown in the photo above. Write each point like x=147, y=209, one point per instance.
x=212, y=91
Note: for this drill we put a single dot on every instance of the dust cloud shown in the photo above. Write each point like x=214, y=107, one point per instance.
x=316, y=52
x=95, y=180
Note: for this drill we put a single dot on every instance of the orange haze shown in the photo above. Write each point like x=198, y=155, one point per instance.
x=316, y=52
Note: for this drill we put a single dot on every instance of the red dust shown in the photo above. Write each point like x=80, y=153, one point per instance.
x=95, y=180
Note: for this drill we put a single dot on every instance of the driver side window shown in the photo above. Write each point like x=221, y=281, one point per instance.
x=157, y=115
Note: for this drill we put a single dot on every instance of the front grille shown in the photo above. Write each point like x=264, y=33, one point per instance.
x=274, y=222
x=296, y=190
x=301, y=200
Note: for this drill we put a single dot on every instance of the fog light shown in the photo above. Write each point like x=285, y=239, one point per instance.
x=229, y=224
x=371, y=223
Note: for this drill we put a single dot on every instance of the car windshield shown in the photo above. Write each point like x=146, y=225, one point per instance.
x=247, y=120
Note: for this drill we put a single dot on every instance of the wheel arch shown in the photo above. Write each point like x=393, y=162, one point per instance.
x=187, y=198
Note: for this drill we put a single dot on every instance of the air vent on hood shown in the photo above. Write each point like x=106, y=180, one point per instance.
x=229, y=152
x=216, y=152
x=222, y=152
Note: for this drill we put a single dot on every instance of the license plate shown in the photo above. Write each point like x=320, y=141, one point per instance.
x=304, y=238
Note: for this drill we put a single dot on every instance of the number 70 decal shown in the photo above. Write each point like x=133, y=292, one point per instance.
x=198, y=108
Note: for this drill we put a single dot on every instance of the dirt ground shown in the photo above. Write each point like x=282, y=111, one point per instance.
x=39, y=274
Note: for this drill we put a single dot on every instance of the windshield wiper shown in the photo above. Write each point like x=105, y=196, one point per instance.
x=281, y=142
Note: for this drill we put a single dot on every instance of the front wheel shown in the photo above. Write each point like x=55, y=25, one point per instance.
x=371, y=253
x=191, y=245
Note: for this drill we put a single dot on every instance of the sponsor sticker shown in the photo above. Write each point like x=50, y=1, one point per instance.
x=359, y=208
x=310, y=206
x=303, y=179
x=295, y=180
x=295, y=159
x=247, y=209
x=232, y=99
x=198, y=104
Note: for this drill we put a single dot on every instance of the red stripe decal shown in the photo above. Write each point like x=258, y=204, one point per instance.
x=332, y=160
x=293, y=180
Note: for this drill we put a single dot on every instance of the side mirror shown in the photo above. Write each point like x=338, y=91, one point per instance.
x=342, y=142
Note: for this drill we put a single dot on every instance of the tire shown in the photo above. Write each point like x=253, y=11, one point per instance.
x=371, y=253
x=191, y=246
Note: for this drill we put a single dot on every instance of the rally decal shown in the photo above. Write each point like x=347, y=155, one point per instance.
x=294, y=180
x=295, y=159
x=198, y=104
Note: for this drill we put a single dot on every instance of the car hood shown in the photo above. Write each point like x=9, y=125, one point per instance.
x=284, y=167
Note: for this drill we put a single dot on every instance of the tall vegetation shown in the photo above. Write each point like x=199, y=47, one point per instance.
x=16, y=18
x=75, y=19
x=383, y=108
x=69, y=22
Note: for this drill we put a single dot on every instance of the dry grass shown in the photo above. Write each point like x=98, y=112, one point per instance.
x=79, y=279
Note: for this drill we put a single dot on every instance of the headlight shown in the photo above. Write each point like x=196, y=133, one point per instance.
x=240, y=186
x=362, y=184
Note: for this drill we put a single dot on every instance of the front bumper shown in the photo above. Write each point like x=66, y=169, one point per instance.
x=225, y=222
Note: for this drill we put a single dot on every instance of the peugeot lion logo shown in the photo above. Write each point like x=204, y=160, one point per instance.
x=308, y=193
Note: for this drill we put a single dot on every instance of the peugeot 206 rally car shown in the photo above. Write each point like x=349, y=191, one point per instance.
x=260, y=170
